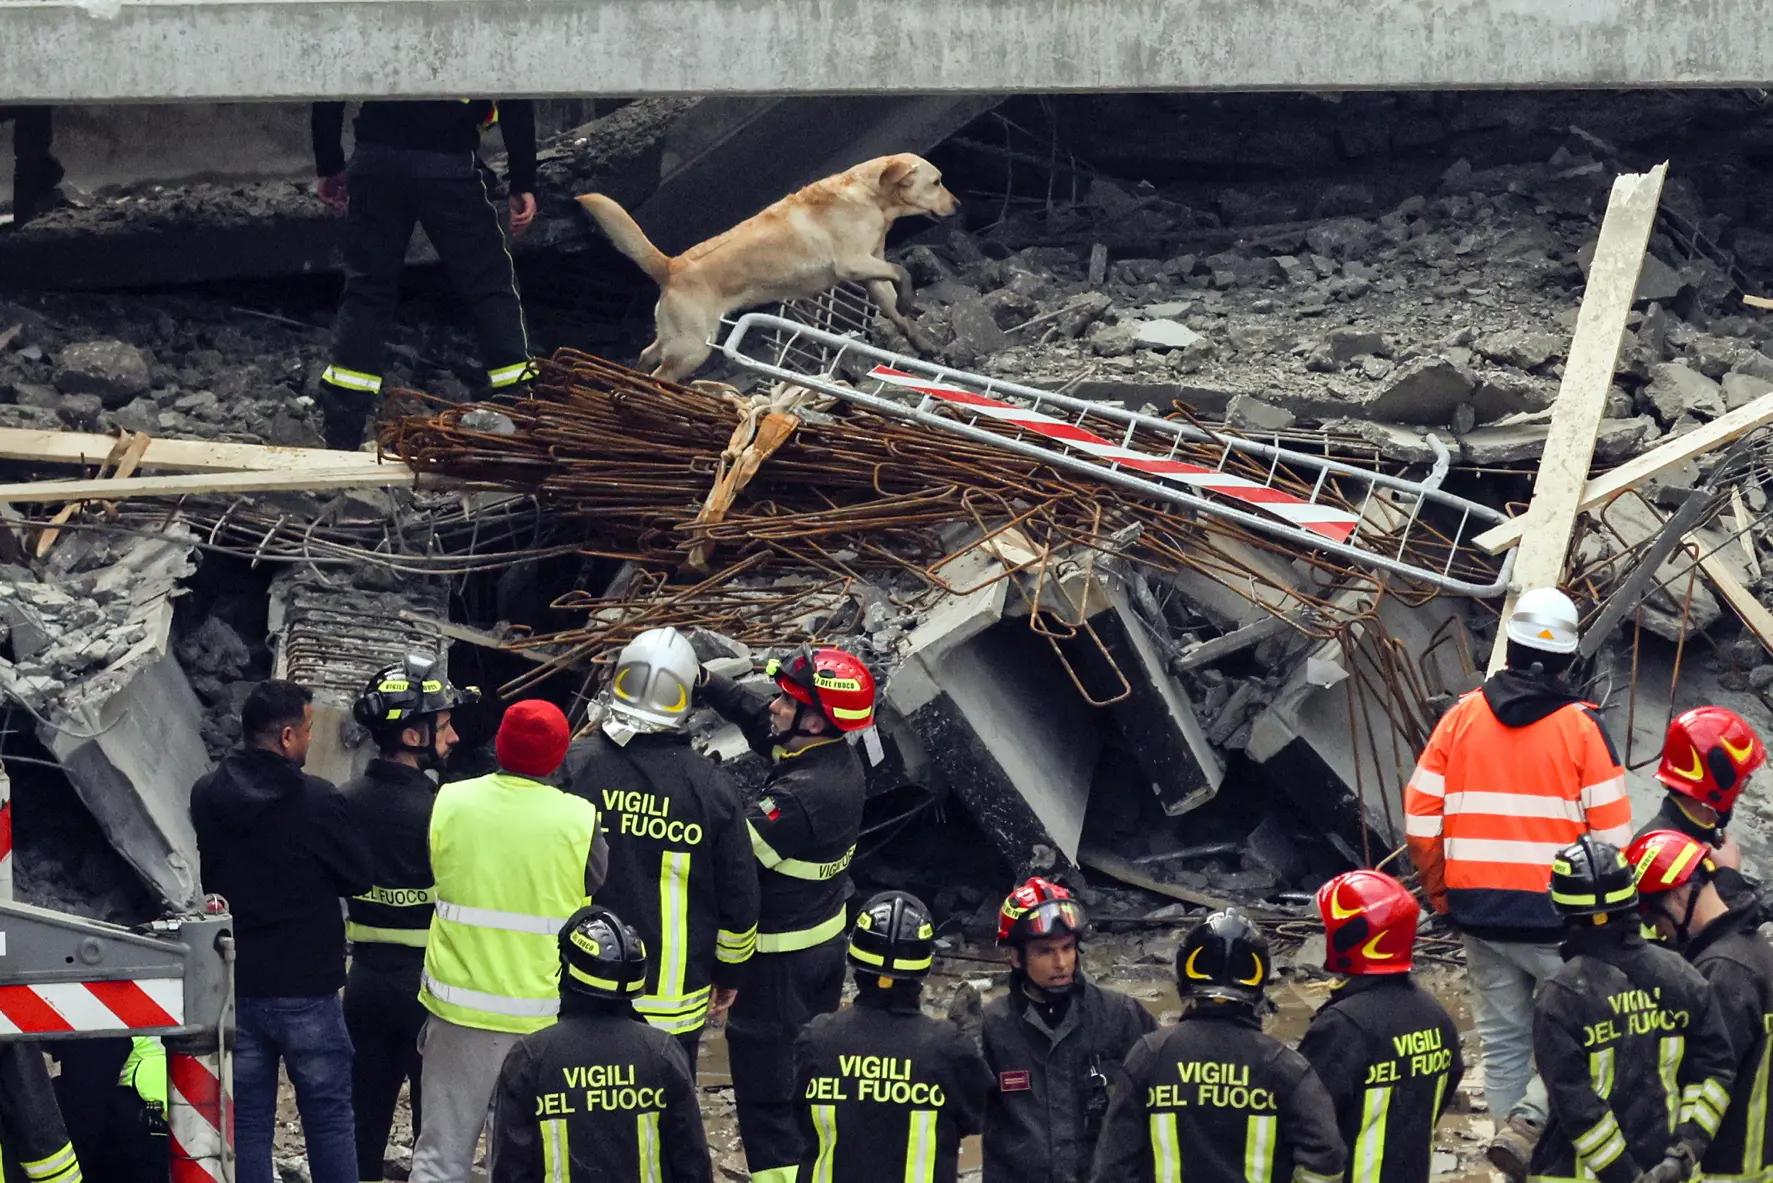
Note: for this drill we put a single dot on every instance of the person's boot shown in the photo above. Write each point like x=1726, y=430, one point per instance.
x=345, y=414
x=1512, y=1147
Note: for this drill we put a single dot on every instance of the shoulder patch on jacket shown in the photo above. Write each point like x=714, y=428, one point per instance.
x=1013, y=1082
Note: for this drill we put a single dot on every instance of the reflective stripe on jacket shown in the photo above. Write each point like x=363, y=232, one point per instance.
x=509, y=855
x=1489, y=804
x=1738, y=962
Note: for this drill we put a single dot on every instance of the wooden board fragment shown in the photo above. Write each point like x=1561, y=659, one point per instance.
x=1588, y=379
x=382, y=476
x=78, y=447
x=125, y=454
x=1634, y=472
x=1754, y=614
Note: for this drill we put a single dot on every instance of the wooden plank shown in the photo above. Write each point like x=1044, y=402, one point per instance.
x=1634, y=472
x=76, y=447
x=1588, y=379
x=382, y=476
x=1757, y=302
x=125, y=455
x=1745, y=531
x=1754, y=614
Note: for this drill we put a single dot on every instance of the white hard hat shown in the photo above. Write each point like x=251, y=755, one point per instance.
x=1546, y=620
x=654, y=677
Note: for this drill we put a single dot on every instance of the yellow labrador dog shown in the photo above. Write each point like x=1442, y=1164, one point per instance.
x=829, y=232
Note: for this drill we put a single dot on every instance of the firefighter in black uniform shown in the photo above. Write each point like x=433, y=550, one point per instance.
x=418, y=162
x=886, y=1092
x=1627, y=1036
x=34, y=1142
x=1049, y=1042
x=1387, y=1052
x=681, y=869
x=406, y=709
x=600, y=1096
x=803, y=829
x=1213, y=1099
x=1678, y=893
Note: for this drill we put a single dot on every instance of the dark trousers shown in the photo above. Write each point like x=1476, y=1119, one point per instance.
x=691, y=1043
x=782, y=993
x=34, y=171
x=383, y=1014
x=391, y=190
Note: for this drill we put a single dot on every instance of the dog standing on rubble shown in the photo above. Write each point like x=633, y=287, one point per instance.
x=832, y=231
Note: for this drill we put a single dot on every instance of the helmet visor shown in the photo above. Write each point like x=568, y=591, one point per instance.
x=1053, y=918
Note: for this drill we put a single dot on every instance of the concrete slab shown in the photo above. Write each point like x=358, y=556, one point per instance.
x=61, y=51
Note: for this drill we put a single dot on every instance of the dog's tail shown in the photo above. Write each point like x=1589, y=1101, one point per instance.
x=626, y=233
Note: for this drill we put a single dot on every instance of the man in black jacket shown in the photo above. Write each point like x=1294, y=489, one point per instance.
x=1050, y=1042
x=803, y=828
x=279, y=845
x=1720, y=935
x=406, y=709
x=600, y=1096
x=681, y=870
x=1213, y=1097
x=1628, y=1037
x=418, y=162
x=1387, y=1052
x=886, y=1092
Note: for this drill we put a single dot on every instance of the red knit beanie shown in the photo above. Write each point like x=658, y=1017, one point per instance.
x=532, y=738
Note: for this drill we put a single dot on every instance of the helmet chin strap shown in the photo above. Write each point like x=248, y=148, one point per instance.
x=427, y=754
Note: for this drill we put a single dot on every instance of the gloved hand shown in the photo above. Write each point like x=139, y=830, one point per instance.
x=966, y=1010
x=1675, y=1167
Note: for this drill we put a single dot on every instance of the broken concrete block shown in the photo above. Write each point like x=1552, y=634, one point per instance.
x=1675, y=389
x=1512, y=443
x=1741, y=389
x=1252, y=414
x=1341, y=238
x=113, y=370
x=1347, y=343
x=1424, y=391
x=976, y=333
x=1394, y=442
x=1500, y=394
x=1081, y=311
x=1520, y=348
x=1164, y=334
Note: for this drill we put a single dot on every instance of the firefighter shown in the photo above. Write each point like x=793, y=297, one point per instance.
x=1707, y=759
x=1514, y=771
x=1678, y=893
x=514, y=859
x=600, y=1095
x=1213, y=1099
x=680, y=866
x=1385, y=1049
x=1628, y=1037
x=887, y=1093
x=32, y=1136
x=1050, y=1042
x=418, y=162
x=803, y=827
x=407, y=710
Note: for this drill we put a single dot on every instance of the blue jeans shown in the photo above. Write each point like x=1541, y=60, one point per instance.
x=1503, y=976
x=309, y=1036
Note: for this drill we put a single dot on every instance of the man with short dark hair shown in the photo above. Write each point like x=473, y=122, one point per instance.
x=278, y=845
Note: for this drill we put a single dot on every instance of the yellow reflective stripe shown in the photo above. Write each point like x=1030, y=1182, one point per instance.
x=920, y=1147
x=675, y=1016
x=850, y=712
x=797, y=868
x=735, y=948
x=647, y=1128
x=498, y=1004
x=867, y=958
x=1600, y=1074
x=363, y=934
x=1259, y=1149
x=1301, y=1175
x=1717, y=1094
x=62, y=1166
x=804, y=938
x=399, y=897
x=352, y=379
x=510, y=375
x=778, y=1174
x=1754, y=1142
x=557, y=1165
x=672, y=955
x=678, y=1025
x=825, y=1125
x=1603, y=1158
x=1369, y=1145
x=1440, y=1096
x=1596, y=1134
x=1574, y=901
x=1668, y=1066
x=1623, y=894
x=1166, y=1148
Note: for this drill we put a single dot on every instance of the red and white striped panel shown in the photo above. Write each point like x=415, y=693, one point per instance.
x=92, y=1006
x=5, y=839
x=200, y=1118
x=1326, y=520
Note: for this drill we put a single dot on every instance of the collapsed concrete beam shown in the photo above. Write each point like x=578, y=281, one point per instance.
x=60, y=51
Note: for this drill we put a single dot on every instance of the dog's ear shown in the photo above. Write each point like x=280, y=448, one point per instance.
x=897, y=171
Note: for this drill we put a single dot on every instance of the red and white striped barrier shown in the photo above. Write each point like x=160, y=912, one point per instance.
x=1326, y=520
x=200, y=1117
x=61, y=1007
x=5, y=839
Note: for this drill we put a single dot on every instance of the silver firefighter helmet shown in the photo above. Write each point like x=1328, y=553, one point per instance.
x=655, y=677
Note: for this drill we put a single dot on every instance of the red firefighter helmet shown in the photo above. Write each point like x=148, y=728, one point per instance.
x=1662, y=860
x=1369, y=924
x=832, y=682
x=1708, y=756
x=1039, y=908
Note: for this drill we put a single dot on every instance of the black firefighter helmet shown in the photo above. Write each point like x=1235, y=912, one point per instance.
x=894, y=937
x=1592, y=878
x=602, y=957
x=1224, y=957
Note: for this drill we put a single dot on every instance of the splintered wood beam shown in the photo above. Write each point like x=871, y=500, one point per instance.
x=381, y=476
x=78, y=447
x=1588, y=379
